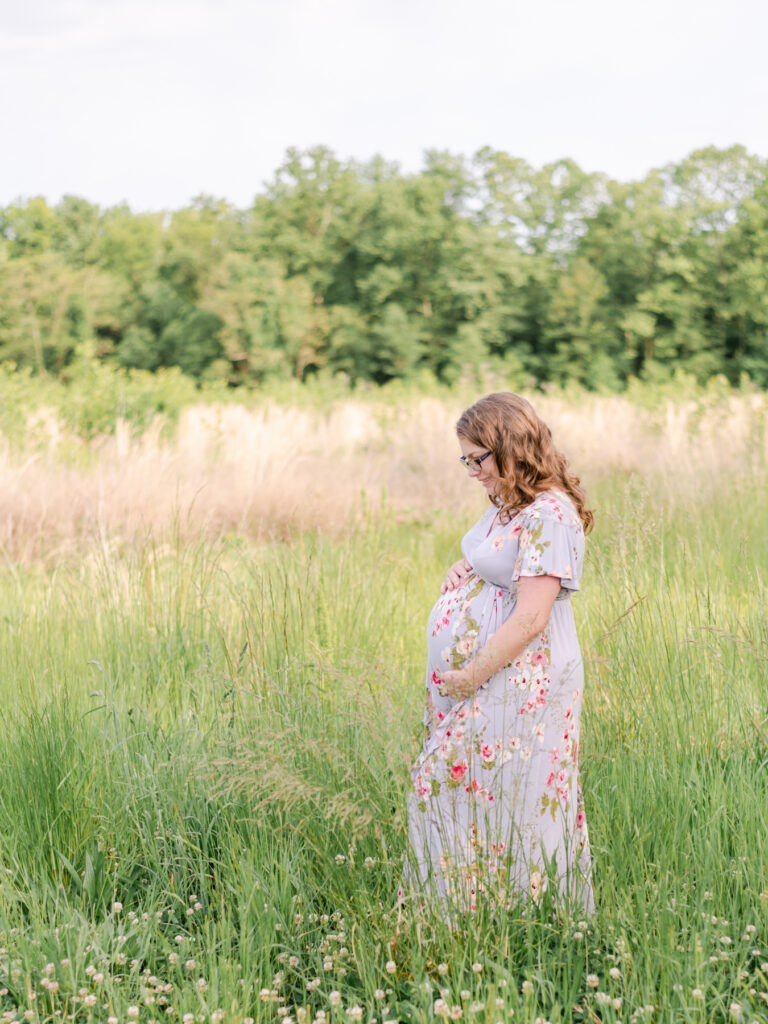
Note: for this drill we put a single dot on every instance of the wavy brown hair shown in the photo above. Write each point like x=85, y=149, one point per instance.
x=527, y=460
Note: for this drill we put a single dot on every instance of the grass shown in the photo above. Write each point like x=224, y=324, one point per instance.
x=207, y=738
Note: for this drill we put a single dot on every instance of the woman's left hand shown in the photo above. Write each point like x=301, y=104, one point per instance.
x=457, y=684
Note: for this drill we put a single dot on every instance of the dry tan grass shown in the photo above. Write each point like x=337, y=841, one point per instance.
x=277, y=470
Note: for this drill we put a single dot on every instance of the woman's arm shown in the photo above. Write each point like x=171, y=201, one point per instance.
x=535, y=598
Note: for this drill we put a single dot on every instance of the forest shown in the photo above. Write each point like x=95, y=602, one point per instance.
x=361, y=271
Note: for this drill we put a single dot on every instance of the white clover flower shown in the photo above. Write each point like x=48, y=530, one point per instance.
x=112, y=1020
x=592, y=980
x=735, y=1009
x=440, y=1008
x=334, y=998
x=340, y=858
x=477, y=968
x=117, y=906
x=614, y=973
x=379, y=993
x=133, y=1012
x=456, y=1013
x=90, y=1000
x=202, y=985
x=355, y=1012
x=442, y=968
x=293, y=961
x=527, y=988
x=390, y=967
x=465, y=994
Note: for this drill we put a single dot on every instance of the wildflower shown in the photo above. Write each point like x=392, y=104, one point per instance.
x=90, y=1000
x=173, y=959
x=477, y=968
x=499, y=1004
x=217, y=1017
x=117, y=906
x=592, y=980
x=313, y=984
x=327, y=964
x=615, y=973
x=735, y=1009
x=369, y=863
x=465, y=994
x=133, y=1012
x=698, y=995
x=442, y=968
x=602, y=998
x=527, y=988
x=293, y=961
x=379, y=993
x=456, y=1013
x=188, y=1018
x=616, y=1002
x=334, y=998
x=50, y=969
x=265, y=995
x=578, y=935
x=340, y=858
x=390, y=967
x=355, y=1012
x=202, y=985
x=65, y=962
x=112, y=1020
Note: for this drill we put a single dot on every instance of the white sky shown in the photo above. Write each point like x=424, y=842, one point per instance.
x=156, y=101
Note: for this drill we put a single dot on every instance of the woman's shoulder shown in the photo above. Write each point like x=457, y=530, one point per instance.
x=553, y=504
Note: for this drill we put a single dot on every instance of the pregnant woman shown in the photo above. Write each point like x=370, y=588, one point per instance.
x=496, y=812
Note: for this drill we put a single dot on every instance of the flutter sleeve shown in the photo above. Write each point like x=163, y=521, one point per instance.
x=551, y=543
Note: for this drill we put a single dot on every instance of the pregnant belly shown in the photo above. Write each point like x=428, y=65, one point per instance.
x=461, y=622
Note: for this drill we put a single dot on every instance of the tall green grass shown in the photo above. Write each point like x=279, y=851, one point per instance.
x=204, y=764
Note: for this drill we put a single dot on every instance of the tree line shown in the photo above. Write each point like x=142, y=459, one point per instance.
x=352, y=268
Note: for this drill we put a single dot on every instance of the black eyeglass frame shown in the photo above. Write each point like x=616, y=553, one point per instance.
x=472, y=462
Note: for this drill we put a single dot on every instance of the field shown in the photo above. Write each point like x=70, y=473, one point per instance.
x=211, y=633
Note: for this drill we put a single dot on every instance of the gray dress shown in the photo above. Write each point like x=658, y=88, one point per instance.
x=496, y=811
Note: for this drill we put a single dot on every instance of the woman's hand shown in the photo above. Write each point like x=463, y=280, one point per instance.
x=456, y=576
x=457, y=684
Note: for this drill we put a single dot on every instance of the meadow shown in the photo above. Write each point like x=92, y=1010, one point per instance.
x=212, y=649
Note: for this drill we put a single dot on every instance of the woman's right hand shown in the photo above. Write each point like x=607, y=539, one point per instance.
x=456, y=576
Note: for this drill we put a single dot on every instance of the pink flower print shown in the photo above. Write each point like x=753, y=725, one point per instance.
x=458, y=770
x=515, y=530
x=581, y=818
x=538, y=732
x=554, y=755
x=550, y=778
x=497, y=543
x=539, y=658
x=487, y=753
x=514, y=743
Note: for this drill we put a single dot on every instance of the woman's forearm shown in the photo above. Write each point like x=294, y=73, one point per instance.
x=529, y=618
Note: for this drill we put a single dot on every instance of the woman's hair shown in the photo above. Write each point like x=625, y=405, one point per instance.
x=527, y=460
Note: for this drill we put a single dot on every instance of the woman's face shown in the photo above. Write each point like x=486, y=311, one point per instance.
x=487, y=472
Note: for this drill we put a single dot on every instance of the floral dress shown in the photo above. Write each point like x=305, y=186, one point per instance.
x=496, y=809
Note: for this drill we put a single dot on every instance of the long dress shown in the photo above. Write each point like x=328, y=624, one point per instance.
x=496, y=812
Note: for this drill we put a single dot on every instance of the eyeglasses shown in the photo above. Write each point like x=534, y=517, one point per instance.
x=473, y=463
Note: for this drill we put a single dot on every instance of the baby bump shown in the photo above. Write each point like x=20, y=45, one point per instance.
x=461, y=622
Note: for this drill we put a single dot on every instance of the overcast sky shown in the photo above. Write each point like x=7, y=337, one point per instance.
x=155, y=101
